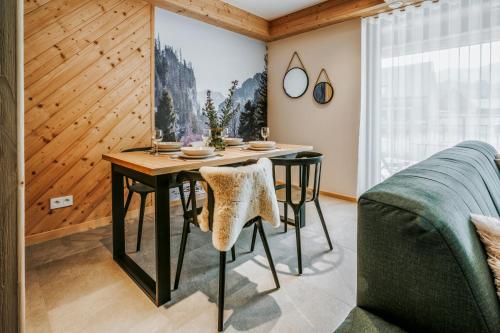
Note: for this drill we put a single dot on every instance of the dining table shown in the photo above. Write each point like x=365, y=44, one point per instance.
x=160, y=173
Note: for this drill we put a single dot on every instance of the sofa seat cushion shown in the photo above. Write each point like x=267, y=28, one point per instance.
x=360, y=320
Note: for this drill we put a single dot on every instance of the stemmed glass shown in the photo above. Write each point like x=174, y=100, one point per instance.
x=225, y=133
x=205, y=136
x=264, y=131
x=157, y=137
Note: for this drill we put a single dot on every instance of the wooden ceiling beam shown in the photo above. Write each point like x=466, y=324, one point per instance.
x=220, y=14
x=323, y=14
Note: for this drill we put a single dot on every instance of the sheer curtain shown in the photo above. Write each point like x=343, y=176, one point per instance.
x=430, y=79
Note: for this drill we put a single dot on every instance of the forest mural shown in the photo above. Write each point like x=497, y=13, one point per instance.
x=196, y=65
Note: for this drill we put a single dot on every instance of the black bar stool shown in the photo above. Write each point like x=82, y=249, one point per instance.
x=296, y=196
x=191, y=217
x=143, y=190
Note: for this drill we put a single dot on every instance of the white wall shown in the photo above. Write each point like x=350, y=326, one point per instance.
x=332, y=128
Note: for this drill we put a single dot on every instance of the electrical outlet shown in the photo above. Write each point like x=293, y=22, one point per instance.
x=61, y=202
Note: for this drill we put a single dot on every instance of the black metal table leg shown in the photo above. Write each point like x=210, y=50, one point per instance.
x=162, y=239
x=117, y=212
x=159, y=290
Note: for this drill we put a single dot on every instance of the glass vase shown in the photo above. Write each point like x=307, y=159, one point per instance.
x=216, y=139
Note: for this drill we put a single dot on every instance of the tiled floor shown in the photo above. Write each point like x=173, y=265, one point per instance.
x=73, y=285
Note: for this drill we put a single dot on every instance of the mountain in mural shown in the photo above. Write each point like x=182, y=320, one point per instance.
x=176, y=76
x=241, y=96
x=217, y=97
x=253, y=115
x=178, y=111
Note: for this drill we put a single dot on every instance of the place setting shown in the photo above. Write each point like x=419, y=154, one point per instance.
x=198, y=150
x=160, y=147
x=196, y=153
x=264, y=145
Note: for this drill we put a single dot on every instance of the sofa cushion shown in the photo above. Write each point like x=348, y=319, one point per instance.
x=361, y=321
x=420, y=262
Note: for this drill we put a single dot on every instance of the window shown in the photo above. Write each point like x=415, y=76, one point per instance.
x=431, y=79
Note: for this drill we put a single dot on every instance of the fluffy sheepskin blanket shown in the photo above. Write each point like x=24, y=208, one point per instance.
x=240, y=194
x=488, y=229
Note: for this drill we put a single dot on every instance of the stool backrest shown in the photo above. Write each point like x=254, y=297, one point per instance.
x=304, y=161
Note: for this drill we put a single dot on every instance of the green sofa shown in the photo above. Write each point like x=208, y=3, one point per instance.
x=421, y=265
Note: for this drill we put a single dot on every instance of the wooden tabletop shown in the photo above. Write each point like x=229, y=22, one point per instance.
x=158, y=165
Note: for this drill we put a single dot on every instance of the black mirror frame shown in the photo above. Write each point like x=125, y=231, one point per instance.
x=331, y=97
x=307, y=82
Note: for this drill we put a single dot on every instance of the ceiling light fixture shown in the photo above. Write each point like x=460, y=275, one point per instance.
x=394, y=4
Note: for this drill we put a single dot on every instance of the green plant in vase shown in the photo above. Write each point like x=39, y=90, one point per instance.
x=217, y=122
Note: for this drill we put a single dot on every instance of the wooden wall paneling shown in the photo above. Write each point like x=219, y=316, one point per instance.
x=88, y=154
x=31, y=5
x=70, y=46
x=70, y=112
x=45, y=38
x=88, y=92
x=220, y=14
x=9, y=302
x=105, y=204
x=50, y=13
x=78, y=71
x=86, y=84
x=94, y=196
x=80, y=151
x=83, y=125
x=71, y=157
x=93, y=172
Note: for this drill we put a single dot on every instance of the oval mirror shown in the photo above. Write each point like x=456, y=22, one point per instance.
x=323, y=92
x=295, y=82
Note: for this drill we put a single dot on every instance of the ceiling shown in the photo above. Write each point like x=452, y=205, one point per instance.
x=271, y=9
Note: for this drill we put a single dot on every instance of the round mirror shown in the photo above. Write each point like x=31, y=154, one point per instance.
x=323, y=92
x=295, y=82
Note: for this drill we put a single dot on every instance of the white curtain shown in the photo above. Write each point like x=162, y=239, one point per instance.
x=430, y=79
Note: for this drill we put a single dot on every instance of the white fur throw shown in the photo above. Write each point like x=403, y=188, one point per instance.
x=489, y=232
x=240, y=194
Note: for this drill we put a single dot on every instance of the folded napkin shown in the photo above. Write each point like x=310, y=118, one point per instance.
x=241, y=194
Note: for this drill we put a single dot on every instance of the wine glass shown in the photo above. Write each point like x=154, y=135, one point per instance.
x=264, y=131
x=205, y=136
x=225, y=133
x=157, y=137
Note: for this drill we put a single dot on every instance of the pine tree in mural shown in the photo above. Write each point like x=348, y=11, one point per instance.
x=209, y=111
x=228, y=110
x=247, y=121
x=166, y=118
x=261, y=100
x=254, y=115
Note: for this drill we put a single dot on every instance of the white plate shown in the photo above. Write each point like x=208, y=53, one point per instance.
x=233, y=141
x=262, y=148
x=262, y=144
x=168, y=150
x=169, y=145
x=195, y=157
x=198, y=151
